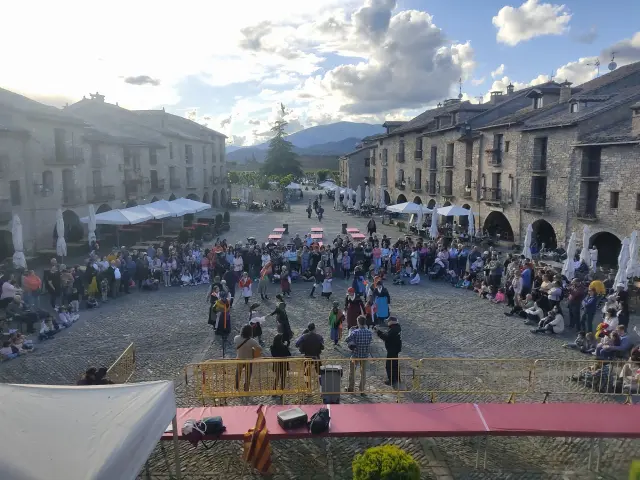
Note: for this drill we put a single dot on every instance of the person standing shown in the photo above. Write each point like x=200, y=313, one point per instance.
x=359, y=342
x=263, y=284
x=336, y=318
x=371, y=227
x=354, y=307
x=576, y=295
x=318, y=280
x=589, y=307
x=622, y=297
x=245, y=287
x=382, y=300
x=393, y=345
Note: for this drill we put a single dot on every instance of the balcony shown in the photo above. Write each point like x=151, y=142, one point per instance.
x=417, y=154
x=5, y=210
x=447, y=191
x=534, y=203
x=157, y=187
x=174, y=183
x=98, y=160
x=539, y=164
x=587, y=213
x=401, y=184
x=72, y=196
x=65, y=156
x=416, y=186
x=101, y=194
x=497, y=196
x=400, y=157
x=448, y=162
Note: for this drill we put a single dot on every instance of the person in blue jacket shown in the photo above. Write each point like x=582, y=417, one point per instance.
x=382, y=300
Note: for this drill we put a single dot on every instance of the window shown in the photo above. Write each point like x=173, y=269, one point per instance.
x=189, y=177
x=170, y=150
x=419, y=143
x=204, y=175
x=14, y=187
x=637, y=201
x=614, y=199
x=172, y=173
x=574, y=107
x=188, y=153
x=506, y=146
x=450, y=147
x=59, y=138
x=467, y=179
x=126, y=154
x=47, y=181
x=204, y=153
x=153, y=156
x=433, y=163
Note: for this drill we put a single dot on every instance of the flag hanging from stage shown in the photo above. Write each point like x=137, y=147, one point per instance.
x=257, y=448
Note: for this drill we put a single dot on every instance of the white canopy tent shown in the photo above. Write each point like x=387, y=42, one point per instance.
x=409, y=207
x=157, y=213
x=84, y=433
x=294, y=186
x=327, y=184
x=176, y=210
x=453, y=211
x=191, y=205
x=120, y=217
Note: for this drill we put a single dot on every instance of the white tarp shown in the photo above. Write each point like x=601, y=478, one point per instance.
x=119, y=217
x=61, y=244
x=408, y=207
x=82, y=433
x=92, y=224
x=157, y=213
x=294, y=186
x=328, y=184
x=191, y=205
x=18, y=245
x=453, y=211
x=176, y=209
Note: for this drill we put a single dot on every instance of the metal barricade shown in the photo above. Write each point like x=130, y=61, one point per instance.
x=123, y=368
x=567, y=380
x=462, y=379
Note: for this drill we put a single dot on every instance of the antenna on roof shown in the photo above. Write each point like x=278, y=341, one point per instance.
x=612, y=65
x=480, y=98
x=597, y=65
x=460, y=89
x=553, y=75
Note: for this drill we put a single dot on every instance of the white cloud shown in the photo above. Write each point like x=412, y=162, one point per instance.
x=498, y=72
x=478, y=81
x=529, y=20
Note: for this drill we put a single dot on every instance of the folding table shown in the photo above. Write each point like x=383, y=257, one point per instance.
x=316, y=236
x=317, y=229
x=358, y=236
x=353, y=230
x=279, y=230
x=275, y=236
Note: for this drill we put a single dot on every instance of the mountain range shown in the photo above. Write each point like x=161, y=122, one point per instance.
x=333, y=139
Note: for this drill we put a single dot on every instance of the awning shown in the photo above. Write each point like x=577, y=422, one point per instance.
x=120, y=217
x=175, y=209
x=157, y=213
x=191, y=205
x=409, y=207
x=294, y=186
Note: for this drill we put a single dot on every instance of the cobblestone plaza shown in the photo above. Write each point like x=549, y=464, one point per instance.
x=169, y=329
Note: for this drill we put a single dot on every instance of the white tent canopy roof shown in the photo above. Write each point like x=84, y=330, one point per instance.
x=158, y=213
x=82, y=433
x=120, y=217
x=294, y=186
x=409, y=207
x=453, y=211
x=327, y=184
x=176, y=210
x=191, y=205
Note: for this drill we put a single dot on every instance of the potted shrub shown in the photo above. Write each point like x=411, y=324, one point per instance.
x=225, y=222
x=219, y=222
x=183, y=236
x=386, y=462
x=226, y=217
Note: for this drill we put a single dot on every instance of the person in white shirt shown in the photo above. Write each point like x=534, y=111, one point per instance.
x=552, y=323
x=117, y=276
x=534, y=314
x=593, y=253
x=238, y=266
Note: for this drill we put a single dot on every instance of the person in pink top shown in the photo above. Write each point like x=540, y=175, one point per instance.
x=377, y=257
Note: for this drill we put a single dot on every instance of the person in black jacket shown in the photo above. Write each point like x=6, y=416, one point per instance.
x=393, y=344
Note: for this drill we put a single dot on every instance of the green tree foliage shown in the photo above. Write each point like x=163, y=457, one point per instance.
x=322, y=175
x=285, y=180
x=233, y=177
x=386, y=462
x=281, y=159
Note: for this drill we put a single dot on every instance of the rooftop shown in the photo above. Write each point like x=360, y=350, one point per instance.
x=611, y=77
x=425, y=118
x=616, y=133
x=180, y=125
x=13, y=101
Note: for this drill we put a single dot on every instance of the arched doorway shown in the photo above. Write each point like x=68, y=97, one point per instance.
x=387, y=198
x=103, y=208
x=608, y=246
x=172, y=197
x=194, y=197
x=154, y=199
x=131, y=203
x=417, y=200
x=223, y=197
x=464, y=221
x=205, y=197
x=214, y=198
x=431, y=204
x=6, y=244
x=543, y=232
x=401, y=199
x=73, y=229
x=497, y=224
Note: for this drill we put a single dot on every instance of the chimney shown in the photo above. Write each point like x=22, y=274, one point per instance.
x=496, y=97
x=565, y=91
x=635, y=119
x=510, y=88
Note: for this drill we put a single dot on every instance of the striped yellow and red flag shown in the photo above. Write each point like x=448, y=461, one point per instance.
x=257, y=448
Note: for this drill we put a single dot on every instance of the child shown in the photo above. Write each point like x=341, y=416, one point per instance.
x=285, y=282
x=336, y=317
x=370, y=310
x=166, y=272
x=245, y=287
x=415, y=277
x=307, y=276
x=92, y=302
x=500, y=296
x=453, y=277
x=74, y=301
x=104, y=289
x=579, y=342
x=484, y=290
x=46, y=330
x=590, y=343
x=20, y=342
x=466, y=283
x=326, y=285
x=7, y=352
x=346, y=265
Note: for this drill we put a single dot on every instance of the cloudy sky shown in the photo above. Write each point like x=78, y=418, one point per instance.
x=230, y=63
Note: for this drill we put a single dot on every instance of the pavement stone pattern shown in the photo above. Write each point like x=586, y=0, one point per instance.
x=169, y=330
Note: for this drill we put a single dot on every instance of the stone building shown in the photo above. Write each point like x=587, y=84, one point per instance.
x=354, y=166
x=99, y=153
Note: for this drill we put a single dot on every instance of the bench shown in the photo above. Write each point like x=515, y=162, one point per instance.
x=358, y=236
x=279, y=230
x=275, y=236
x=317, y=230
x=353, y=230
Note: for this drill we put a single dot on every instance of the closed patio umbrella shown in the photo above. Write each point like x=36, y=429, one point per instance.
x=585, y=255
x=356, y=205
x=367, y=195
x=472, y=225
x=568, y=269
x=632, y=265
x=381, y=199
x=623, y=259
x=18, y=248
x=92, y=224
x=61, y=244
x=433, y=229
x=526, y=249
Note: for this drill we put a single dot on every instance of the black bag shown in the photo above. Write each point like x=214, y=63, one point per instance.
x=195, y=431
x=319, y=422
x=292, y=418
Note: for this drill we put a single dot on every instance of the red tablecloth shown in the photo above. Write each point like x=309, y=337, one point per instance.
x=316, y=236
x=275, y=236
x=317, y=229
x=358, y=236
x=279, y=230
x=353, y=230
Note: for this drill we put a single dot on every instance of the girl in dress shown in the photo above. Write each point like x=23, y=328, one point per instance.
x=285, y=282
x=245, y=287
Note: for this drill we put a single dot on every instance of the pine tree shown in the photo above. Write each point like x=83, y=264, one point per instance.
x=281, y=159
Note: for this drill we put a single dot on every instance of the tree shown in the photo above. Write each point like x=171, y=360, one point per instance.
x=233, y=177
x=281, y=159
x=286, y=180
x=322, y=175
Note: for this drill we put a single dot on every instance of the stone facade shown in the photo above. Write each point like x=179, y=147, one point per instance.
x=51, y=159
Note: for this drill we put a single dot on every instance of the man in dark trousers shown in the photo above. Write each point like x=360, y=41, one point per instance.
x=393, y=344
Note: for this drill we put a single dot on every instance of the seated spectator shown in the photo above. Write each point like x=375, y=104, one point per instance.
x=521, y=306
x=8, y=292
x=534, y=314
x=552, y=323
x=500, y=296
x=8, y=351
x=88, y=378
x=101, y=377
x=610, y=351
x=555, y=293
x=20, y=342
x=21, y=313
x=415, y=277
x=630, y=373
x=609, y=324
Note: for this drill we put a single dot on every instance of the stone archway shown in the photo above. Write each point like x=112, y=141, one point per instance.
x=172, y=197
x=464, y=221
x=431, y=204
x=608, y=246
x=417, y=200
x=6, y=244
x=205, y=197
x=73, y=229
x=194, y=197
x=387, y=198
x=401, y=199
x=497, y=223
x=223, y=198
x=214, y=198
x=543, y=232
